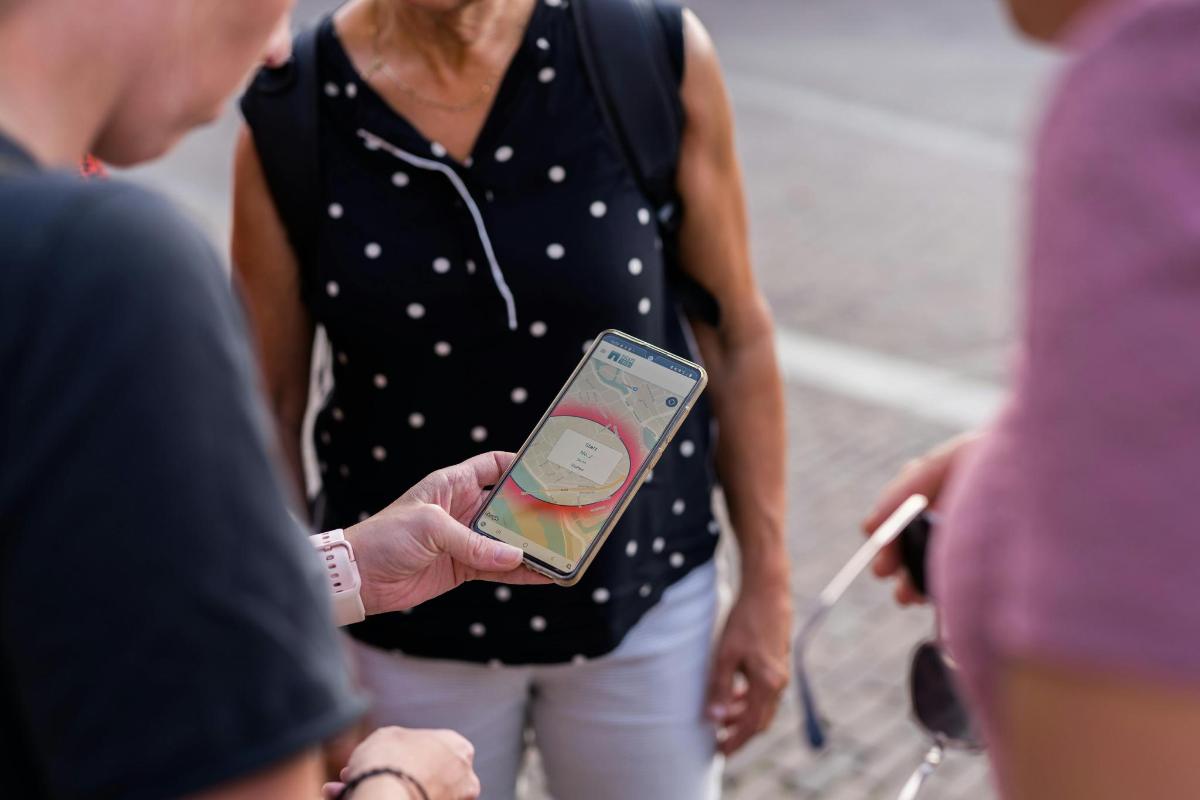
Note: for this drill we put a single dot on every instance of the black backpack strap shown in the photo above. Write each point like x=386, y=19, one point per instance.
x=627, y=55
x=280, y=108
x=633, y=53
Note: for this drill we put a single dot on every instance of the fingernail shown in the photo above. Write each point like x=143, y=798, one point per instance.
x=506, y=556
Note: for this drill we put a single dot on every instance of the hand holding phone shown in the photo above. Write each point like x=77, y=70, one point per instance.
x=589, y=454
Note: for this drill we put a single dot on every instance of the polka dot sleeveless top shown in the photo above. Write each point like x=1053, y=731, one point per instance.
x=457, y=298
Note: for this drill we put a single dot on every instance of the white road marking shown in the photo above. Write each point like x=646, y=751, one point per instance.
x=802, y=104
x=921, y=390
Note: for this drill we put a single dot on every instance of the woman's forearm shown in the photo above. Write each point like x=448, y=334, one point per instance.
x=747, y=396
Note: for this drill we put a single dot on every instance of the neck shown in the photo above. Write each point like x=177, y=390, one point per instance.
x=446, y=38
x=56, y=89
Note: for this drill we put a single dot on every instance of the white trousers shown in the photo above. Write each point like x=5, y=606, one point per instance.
x=629, y=725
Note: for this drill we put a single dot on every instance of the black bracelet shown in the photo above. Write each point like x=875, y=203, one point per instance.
x=403, y=776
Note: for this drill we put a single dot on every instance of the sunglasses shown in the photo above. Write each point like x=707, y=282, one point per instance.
x=939, y=710
x=936, y=704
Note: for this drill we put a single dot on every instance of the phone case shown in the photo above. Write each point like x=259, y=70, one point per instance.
x=668, y=435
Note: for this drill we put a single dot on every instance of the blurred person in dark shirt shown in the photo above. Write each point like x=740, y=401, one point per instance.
x=165, y=629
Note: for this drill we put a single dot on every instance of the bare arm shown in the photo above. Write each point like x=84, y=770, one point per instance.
x=1075, y=734
x=745, y=389
x=269, y=276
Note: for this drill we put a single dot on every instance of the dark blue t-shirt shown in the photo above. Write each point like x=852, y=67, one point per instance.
x=163, y=625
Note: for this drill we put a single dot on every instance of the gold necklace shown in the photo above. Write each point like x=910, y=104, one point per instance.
x=379, y=64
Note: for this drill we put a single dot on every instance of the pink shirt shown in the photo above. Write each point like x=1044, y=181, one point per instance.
x=1072, y=532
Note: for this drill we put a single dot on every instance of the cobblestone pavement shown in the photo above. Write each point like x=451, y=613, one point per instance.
x=882, y=145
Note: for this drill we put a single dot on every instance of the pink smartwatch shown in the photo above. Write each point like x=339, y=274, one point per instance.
x=337, y=557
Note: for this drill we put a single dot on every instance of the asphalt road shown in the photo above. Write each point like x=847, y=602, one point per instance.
x=883, y=145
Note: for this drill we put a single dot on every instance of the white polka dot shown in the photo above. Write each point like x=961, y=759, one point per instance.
x=644, y=306
x=554, y=3
x=657, y=243
x=336, y=210
x=343, y=359
x=338, y=414
x=380, y=381
x=537, y=330
x=645, y=590
x=325, y=437
x=588, y=345
x=470, y=162
x=643, y=216
x=504, y=153
x=658, y=544
x=470, y=267
x=489, y=195
x=714, y=527
x=332, y=289
x=538, y=624
x=437, y=149
x=578, y=660
x=601, y=595
x=400, y=179
x=477, y=629
x=416, y=420
x=331, y=89
x=351, y=90
x=378, y=453
x=557, y=174
x=687, y=448
x=598, y=209
x=676, y=560
x=415, y=310
x=542, y=43
x=363, y=516
x=478, y=433
x=495, y=663
x=556, y=251
x=649, y=475
x=372, y=144
x=631, y=548
x=344, y=471
x=441, y=265
x=442, y=349
x=519, y=395
x=678, y=506
x=373, y=250
x=503, y=594
x=546, y=74
x=635, y=266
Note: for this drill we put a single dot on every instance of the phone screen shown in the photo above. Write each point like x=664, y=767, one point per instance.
x=590, y=451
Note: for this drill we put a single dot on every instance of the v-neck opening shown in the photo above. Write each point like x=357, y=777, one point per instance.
x=499, y=111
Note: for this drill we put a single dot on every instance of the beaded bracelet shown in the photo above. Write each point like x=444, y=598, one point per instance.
x=354, y=782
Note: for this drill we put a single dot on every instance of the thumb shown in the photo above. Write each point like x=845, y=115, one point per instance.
x=475, y=550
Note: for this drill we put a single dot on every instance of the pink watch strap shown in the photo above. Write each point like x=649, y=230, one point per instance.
x=345, y=584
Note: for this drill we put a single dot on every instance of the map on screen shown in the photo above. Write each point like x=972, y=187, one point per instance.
x=578, y=466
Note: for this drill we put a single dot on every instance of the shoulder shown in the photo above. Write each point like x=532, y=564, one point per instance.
x=54, y=219
x=1123, y=124
x=1136, y=71
x=109, y=262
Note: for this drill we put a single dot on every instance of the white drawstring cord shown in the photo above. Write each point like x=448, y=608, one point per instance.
x=436, y=166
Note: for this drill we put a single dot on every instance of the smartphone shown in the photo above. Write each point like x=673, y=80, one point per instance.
x=584, y=462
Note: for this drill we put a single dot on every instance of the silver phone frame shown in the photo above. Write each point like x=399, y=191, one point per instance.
x=664, y=441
